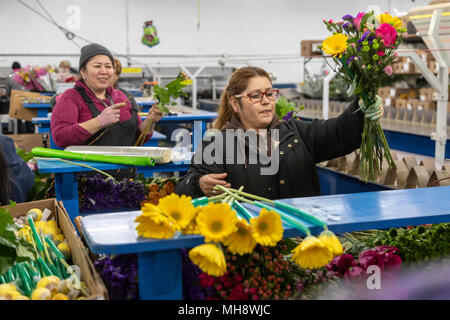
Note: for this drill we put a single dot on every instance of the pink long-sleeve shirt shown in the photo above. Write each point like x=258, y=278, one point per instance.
x=70, y=110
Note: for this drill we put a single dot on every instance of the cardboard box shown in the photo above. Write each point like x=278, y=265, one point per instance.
x=384, y=92
x=426, y=94
x=400, y=103
x=433, y=66
x=397, y=67
x=426, y=105
x=16, y=109
x=89, y=275
x=411, y=104
x=409, y=68
x=28, y=141
x=310, y=48
x=389, y=102
x=396, y=92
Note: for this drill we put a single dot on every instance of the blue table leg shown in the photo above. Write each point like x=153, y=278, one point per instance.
x=160, y=275
x=66, y=190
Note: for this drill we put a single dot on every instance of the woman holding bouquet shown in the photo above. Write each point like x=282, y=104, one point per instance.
x=89, y=114
x=248, y=103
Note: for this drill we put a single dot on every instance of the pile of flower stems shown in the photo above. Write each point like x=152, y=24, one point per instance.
x=49, y=262
x=286, y=211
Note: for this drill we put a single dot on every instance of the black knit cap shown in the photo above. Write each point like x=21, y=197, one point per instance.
x=92, y=50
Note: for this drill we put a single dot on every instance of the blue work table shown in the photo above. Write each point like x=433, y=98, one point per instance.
x=160, y=261
x=199, y=121
x=66, y=182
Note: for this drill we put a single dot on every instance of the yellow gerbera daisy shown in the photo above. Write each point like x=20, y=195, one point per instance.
x=331, y=242
x=149, y=207
x=153, y=224
x=240, y=241
x=311, y=253
x=267, y=228
x=335, y=45
x=191, y=228
x=216, y=221
x=393, y=21
x=210, y=258
x=178, y=208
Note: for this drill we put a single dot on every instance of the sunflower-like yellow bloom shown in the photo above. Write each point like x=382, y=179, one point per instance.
x=178, y=208
x=216, y=221
x=311, y=253
x=191, y=228
x=393, y=21
x=335, y=45
x=210, y=258
x=240, y=241
x=331, y=242
x=267, y=229
x=153, y=224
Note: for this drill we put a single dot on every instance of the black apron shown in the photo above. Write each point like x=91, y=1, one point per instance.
x=119, y=134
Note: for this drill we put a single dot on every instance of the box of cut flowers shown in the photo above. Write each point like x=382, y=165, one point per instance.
x=41, y=256
x=363, y=48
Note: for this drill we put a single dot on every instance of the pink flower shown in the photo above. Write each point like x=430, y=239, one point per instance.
x=357, y=20
x=379, y=53
x=354, y=272
x=351, y=45
x=388, y=70
x=388, y=33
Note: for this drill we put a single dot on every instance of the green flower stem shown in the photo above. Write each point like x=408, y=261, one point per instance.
x=217, y=198
x=92, y=168
x=2, y=280
x=26, y=281
x=285, y=217
x=44, y=266
x=248, y=195
x=35, y=235
x=306, y=216
x=227, y=191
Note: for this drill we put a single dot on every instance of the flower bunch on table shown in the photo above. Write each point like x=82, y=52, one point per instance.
x=224, y=222
x=263, y=274
x=35, y=78
x=363, y=48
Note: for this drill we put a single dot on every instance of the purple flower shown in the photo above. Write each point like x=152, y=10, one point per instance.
x=348, y=17
x=288, y=115
x=364, y=37
x=345, y=26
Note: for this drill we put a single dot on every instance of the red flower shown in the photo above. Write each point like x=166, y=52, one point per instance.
x=206, y=280
x=341, y=264
x=371, y=257
x=388, y=33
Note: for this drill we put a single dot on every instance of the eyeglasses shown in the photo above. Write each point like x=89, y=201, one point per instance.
x=271, y=94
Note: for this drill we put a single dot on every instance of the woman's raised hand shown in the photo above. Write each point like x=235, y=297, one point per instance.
x=108, y=116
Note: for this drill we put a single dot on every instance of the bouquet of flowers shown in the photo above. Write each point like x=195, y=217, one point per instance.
x=364, y=47
x=35, y=78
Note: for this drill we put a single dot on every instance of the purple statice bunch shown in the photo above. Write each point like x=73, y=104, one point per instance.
x=192, y=288
x=348, y=17
x=364, y=37
x=97, y=193
x=120, y=275
x=288, y=115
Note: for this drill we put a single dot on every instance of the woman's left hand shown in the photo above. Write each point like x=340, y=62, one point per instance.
x=154, y=114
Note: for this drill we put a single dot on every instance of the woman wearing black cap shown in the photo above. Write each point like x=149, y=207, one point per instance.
x=85, y=115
